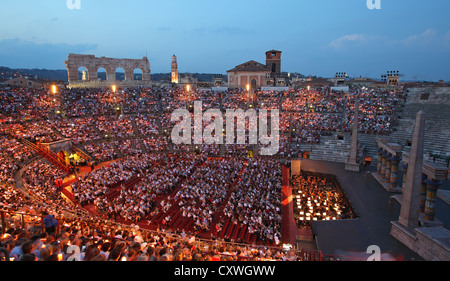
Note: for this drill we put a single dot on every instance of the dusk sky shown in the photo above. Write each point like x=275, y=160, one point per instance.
x=317, y=37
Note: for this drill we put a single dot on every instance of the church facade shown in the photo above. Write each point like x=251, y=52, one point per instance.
x=254, y=75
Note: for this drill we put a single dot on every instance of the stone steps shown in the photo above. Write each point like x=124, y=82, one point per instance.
x=437, y=129
x=331, y=149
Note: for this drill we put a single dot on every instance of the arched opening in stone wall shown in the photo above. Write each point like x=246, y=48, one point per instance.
x=137, y=74
x=83, y=73
x=101, y=74
x=120, y=74
x=88, y=68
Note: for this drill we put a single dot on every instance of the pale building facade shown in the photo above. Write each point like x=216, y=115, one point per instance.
x=250, y=74
x=254, y=75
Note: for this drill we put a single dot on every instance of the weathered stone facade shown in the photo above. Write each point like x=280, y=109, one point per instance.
x=93, y=64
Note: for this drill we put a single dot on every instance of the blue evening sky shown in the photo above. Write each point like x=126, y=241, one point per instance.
x=317, y=37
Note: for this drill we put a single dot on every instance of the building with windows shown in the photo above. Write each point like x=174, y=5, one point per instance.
x=25, y=82
x=255, y=75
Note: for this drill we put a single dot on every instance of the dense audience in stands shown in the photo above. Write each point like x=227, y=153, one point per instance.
x=206, y=189
x=78, y=240
x=150, y=180
x=256, y=201
x=39, y=178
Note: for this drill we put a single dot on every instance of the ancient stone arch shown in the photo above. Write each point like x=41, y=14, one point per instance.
x=92, y=63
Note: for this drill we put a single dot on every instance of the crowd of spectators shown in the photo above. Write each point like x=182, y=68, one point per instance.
x=129, y=147
x=40, y=177
x=110, y=124
x=78, y=240
x=159, y=175
x=156, y=144
x=149, y=102
x=256, y=201
x=7, y=170
x=78, y=130
x=101, y=151
x=13, y=155
x=206, y=189
x=147, y=124
x=40, y=131
x=120, y=127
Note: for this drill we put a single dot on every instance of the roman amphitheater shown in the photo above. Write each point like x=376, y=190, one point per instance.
x=98, y=156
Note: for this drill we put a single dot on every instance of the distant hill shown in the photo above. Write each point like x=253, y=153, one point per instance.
x=7, y=73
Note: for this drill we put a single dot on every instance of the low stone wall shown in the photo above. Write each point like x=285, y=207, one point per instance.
x=429, y=95
x=431, y=243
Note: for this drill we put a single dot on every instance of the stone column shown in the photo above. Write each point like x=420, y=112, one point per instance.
x=387, y=173
x=409, y=212
x=72, y=68
x=145, y=75
x=432, y=187
x=92, y=73
x=394, y=172
x=72, y=74
x=383, y=164
x=129, y=74
x=380, y=157
x=110, y=74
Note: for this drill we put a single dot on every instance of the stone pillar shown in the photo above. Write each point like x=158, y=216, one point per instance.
x=92, y=73
x=129, y=74
x=387, y=173
x=383, y=164
x=423, y=193
x=380, y=157
x=394, y=172
x=72, y=73
x=72, y=69
x=409, y=212
x=110, y=74
x=145, y=75
x=432, y=187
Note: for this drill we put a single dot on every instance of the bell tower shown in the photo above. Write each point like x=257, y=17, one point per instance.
x=273, y=61
x=174, y=70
